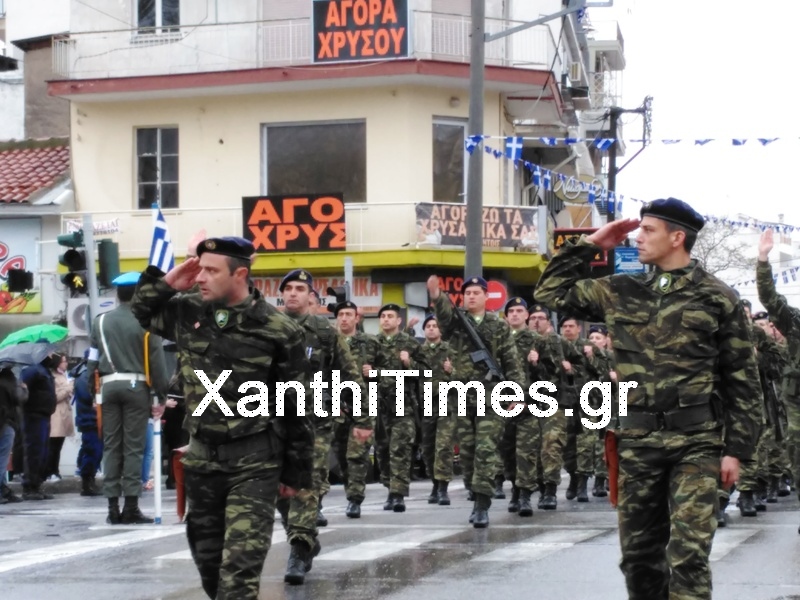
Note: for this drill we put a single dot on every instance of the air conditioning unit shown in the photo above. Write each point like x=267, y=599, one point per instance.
x=76, y=314
x=575, y=72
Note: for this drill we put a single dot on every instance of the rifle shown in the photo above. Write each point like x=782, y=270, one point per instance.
x=482, y=354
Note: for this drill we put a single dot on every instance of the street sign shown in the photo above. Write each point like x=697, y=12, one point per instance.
x=497, y=295
x=626, y=260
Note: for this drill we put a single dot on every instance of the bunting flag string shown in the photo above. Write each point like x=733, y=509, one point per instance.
x=596, y=195
x=784, y=276
x=606, y=143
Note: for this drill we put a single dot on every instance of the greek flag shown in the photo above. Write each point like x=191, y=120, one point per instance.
x=161, y=253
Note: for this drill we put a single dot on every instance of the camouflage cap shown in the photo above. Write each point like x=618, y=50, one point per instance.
x=233, y=246
x=297, y=275
x=515, y=301
x=675, y=211
x=470, y=281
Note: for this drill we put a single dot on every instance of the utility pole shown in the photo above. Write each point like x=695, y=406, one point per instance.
x=473, y=265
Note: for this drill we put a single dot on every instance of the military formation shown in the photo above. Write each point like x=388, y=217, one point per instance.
x=713, y=403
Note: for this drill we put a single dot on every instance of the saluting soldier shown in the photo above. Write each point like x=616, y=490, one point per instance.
x=682, y=336
x=478, y=435
x=327, y=351
x=118, y=352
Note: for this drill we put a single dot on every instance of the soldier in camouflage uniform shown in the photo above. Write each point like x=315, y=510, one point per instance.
x=579, y=449
x=230, y=335
x=787, y=321
x=478, y=435
x=397, y=351
x=523, y=430
x=681, y=335
x=555, y=358
x=355, y=460
x=598, y=335
x=327, y=351
x=438, y=430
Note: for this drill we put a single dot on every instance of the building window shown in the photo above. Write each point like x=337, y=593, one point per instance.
x=316, y=158
x=158, y=13
x=449, y=174
x=157, y=167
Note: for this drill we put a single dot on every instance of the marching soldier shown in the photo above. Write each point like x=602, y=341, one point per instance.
x=478, y=435
x=598, y=335
x=327, y=351
x=681, y=335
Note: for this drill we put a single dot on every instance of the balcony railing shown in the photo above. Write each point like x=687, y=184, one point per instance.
x=260, y=44
x=606, y=89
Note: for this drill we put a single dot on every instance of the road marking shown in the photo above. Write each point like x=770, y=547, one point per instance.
x=725, y=540
x=278, y=537
x=546, y=543
x=58, y=552
x=392, y=544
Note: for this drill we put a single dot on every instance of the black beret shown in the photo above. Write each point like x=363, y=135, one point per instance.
x=227, y=246
x=296, y=275
x=760, y=315
x=390, y=306
x=428, y=317
x=515, y=301
x=345, y=304
x=539, y=308
x=598, y=329
x=675, y=211
x=474, y=281
x=746, y=303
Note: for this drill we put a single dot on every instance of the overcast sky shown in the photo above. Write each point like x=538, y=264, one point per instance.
x=716, y=69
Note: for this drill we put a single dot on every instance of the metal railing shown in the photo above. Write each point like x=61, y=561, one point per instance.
x=259, y=44
x=605, y=90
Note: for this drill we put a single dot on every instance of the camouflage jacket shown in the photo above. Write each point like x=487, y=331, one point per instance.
x=436, y=355
x=688, y=346
x=496, y=335
x=252, y=340
x=389, y=349
x=328, y=351
x=553, y=350
x=525, y=340
x=787, y=320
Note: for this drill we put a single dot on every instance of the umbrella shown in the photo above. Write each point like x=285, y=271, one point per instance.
x=34, y=333
x=26, y=353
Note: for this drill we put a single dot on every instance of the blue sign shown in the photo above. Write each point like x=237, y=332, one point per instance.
x=626, y=260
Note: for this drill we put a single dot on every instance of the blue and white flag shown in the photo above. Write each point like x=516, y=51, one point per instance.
x=161, y=252
x=514, y=148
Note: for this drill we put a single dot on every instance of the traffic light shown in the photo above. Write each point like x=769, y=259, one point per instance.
x=342, y=294
x=19, y=280
x=74, y=260
x=108, y=257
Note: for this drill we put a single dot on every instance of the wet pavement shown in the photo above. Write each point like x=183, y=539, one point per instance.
x=63, y=549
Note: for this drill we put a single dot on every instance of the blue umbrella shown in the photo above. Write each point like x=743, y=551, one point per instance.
x=26, y=353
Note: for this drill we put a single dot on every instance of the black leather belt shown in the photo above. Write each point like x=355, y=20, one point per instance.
x=675, y=420
x=234, y=449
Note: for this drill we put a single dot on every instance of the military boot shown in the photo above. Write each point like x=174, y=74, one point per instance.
x=131, y=514
x=525, y=508
x=581, y=493
x=322, y=520
x=300, y=561
x=388, y=504
x=474, y=510
x=599, y=489
x=549, y=499
x=434, y=496
x=723, y=504
x=470, y=493
x=444, y=498
x=114, y=516
x=499, y=494
x=513, y=505
x=772, y=490
x=785, y=487
x=353, y=510
x=758, y=500
x=398, y=504
x=572, y=488
x=747, y=504
x=88, y=488
x=482, y=504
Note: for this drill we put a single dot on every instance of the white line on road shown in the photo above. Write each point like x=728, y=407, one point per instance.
x=546, y=543
x=71, y=549
x=375, y=549
x=727, y=539
x=278, y=537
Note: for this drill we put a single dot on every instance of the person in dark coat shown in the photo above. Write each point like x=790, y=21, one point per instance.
x=9, y=428
x=36, y=414
x=90, y=454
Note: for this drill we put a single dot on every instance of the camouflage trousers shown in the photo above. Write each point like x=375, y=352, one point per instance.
x=299, y=513
x=478, y=441
x=358, y=464
x=229, y=528
x=792, y=441
x=554, y=434
x=438, y=439
x=579, y=446
x=766, y=463
x=528, y=452
x=394, y=441
x=667, y=502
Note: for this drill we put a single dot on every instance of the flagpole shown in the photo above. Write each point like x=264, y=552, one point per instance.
x=157, y=460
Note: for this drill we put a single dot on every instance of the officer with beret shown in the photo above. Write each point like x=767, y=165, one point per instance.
x=682, y=336
x=118, y=352
x=239, y=458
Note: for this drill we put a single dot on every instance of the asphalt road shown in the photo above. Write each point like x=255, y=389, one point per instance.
x=62, y=549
